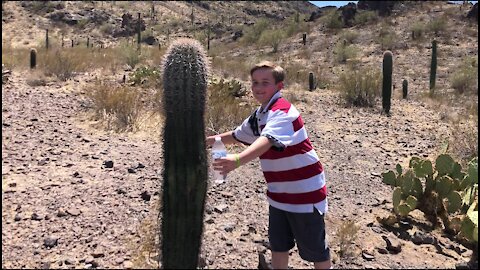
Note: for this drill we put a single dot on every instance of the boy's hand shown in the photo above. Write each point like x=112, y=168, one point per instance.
x=225, y=164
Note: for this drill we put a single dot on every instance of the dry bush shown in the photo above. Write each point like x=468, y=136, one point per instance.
x=438, y=25
x=119, y=106
x=295, y=73
x=232, y=67
x=349, y=36
x=61, y=63
x=344, y=52
x=224, y=111
x=387, y=38
x=332, y=20
x=464, y=141
x=465, y=77
x=417, y=30
x=347, y=234
x=14, y=58
x=363, y=17
x=360, y=87
x=272, y=38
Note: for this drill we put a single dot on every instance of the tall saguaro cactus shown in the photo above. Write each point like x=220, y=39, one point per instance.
x=387, y=81
x=46, y=39
x=139, y=30
x=405, y=88
x=185, y=175
x=433, y=66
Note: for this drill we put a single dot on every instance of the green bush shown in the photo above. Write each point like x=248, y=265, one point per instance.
x=272, y=38
x=349, y=36
x=145, y=75
x=387, y=38
x=344, y=52
x=437, y=25
x=363, y=17
x=360, y=87
x=465, y=78
x=293, y=27
x=332, y=20
x=253, y=33
x=417, y=29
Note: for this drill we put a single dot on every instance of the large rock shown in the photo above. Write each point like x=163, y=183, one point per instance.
x=384, y=8
x=129, y=26
x=348, y=14
x=473, y=13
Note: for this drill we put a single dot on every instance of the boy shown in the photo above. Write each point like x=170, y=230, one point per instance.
x=295, y=178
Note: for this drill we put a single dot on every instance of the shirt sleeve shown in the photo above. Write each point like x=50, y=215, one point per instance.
x=244, y=133
x=279, y=130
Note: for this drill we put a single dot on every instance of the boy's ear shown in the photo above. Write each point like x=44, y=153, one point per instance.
x=280, y=85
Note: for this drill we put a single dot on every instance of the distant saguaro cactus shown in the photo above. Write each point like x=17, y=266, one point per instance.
x=185, y=68
x=139, y=29
x=405, y=88
x=33, y=58
x=387, y=67
x=311, y=82
x=304, y=39
x=88, y=42
x=433, y=66
x=46, y=38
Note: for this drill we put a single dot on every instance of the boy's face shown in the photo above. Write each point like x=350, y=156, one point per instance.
x=264, y=86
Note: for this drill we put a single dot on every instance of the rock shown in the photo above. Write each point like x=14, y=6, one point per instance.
x=146, y=196
x=108, y=164
x=127, y=265
x=18, y=217
x=367, y=255
x=221, y=208
x=262, y=262
x=119, y=260
x=420, y=237
x=61, y=212
x=50, y=241
x=36, y=216
x=73, y=212
x=131, y=170
x=393, y=245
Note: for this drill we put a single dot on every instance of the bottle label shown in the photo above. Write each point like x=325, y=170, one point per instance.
x=219, y=154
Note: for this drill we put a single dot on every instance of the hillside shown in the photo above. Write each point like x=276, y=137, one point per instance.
x=81, y=185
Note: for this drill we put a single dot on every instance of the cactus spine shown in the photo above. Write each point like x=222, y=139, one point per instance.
x=387, y=81
x=33, y=58
x=405, y=88
x=433, y=66
x=185, y=68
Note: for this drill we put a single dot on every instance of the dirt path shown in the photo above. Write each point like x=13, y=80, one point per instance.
x=63, y=207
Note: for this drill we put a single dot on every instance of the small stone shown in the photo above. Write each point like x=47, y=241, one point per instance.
x=119, y=260
x=61, y=212
x=18, y=217
x=131, y=170
x=367, y=256
x=36, y=216
x=146, y=195
x=50, y=241
x=140, y=166
x=393, y=245
x=221, y=208
x=108, y=164
x=382, y=250
x=127, y=264
x=73, y=212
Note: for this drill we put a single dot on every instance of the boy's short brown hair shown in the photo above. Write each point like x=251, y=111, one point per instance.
x=277, y=71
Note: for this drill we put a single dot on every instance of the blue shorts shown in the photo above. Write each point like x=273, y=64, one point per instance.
x=306, y=229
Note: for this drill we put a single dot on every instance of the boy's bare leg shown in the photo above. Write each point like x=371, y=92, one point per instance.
x=280, y=260
x=323, y=265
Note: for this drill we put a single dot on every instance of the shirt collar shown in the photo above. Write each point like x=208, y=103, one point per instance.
x=274, y=98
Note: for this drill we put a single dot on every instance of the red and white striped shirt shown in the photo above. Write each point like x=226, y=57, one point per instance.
x=292, y=169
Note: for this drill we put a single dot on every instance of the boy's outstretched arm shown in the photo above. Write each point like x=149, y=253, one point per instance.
x=233, y=161
x=227, y=138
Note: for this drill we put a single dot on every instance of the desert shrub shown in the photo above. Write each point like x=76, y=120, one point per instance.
x=360, y=87
x=295, y=72
x=224, y=111
x=62, y=63
x=349, y=36
x=293, y=27
x=119, y=106
x=272, y=38
x=253, y=33
x=332, y=20
x=387, y=38
x=363, y=17
x=437, y=25
x=130, y=55
x=344, y=52
x=347, y=234
x=417, y=29
x=464, y=141
x=465, y=77
x=145, y=75
x=107, y=28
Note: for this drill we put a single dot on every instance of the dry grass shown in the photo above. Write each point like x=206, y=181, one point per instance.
x=347, y=234
x=360, y=87
x=117, y=105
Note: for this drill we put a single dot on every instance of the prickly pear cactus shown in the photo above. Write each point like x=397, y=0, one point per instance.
x=387, y=81
x=440, y=190
x=185, y=68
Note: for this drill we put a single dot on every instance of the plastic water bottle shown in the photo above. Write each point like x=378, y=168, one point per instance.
x=218, y=151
